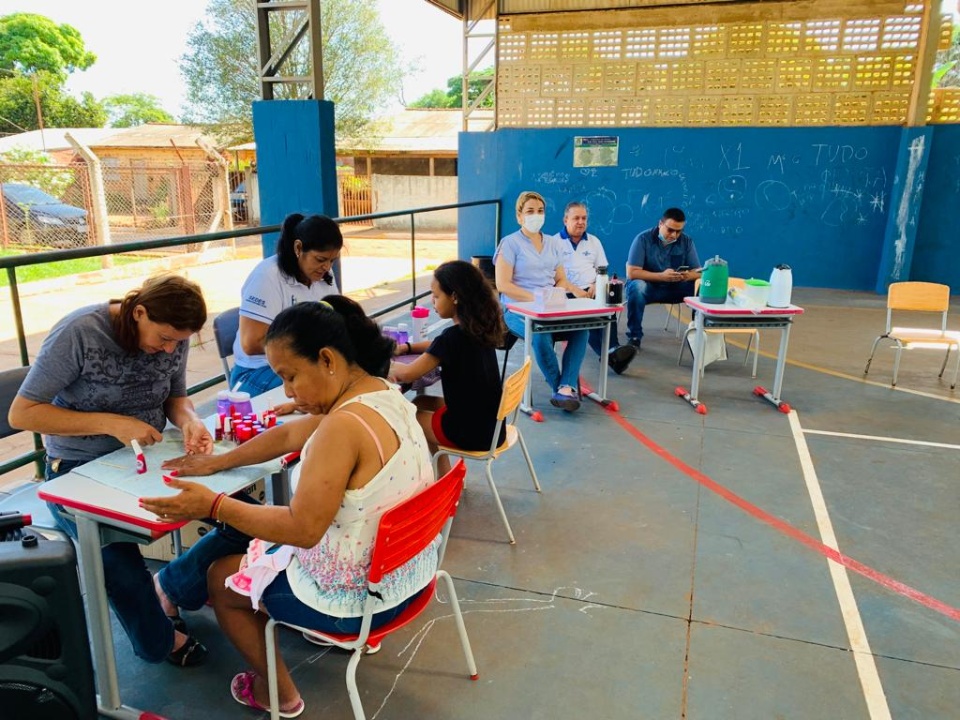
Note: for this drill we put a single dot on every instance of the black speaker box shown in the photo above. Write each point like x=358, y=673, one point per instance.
x=45, y=668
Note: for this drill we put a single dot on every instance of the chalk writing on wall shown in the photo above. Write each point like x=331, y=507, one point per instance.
x=729, y=189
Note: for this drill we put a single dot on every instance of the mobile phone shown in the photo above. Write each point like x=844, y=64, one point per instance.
x=683, y=268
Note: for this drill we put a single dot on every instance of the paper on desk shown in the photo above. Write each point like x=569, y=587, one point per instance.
x=119, y=470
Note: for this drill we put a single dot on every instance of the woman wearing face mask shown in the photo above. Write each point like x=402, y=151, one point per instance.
x=525, y=261
x=300, y=272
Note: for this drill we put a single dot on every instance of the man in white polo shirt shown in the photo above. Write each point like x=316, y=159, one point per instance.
x=582, y=255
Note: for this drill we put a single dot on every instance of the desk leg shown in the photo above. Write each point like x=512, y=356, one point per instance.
x=699, y=341
x=601, y=396
x=98, y=618
x=774, y=397
x=527, y=404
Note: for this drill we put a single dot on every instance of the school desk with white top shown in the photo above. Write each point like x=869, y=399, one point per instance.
x=727, y=316
x=576, y=314
x=107, y=510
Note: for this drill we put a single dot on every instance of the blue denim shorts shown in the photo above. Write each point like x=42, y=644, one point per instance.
x=284, y=606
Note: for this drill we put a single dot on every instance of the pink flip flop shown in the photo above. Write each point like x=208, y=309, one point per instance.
x=241, y=687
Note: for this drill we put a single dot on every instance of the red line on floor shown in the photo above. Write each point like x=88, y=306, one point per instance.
x=785, y=528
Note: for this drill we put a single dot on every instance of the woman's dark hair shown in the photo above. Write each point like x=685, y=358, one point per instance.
x=315, y=232
x=168, y=299
x=335, y=322
x=478, y=309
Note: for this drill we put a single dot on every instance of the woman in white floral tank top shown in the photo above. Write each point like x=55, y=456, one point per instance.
x=366, y=455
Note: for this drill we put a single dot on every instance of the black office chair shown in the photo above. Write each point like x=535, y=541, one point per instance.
x=23, y=499
x=10, y=382
x=225, y=328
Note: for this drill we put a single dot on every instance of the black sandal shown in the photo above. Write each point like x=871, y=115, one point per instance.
x=179, y=624
x=192, y=653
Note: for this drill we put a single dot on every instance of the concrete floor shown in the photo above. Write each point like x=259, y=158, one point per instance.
x=675, y=564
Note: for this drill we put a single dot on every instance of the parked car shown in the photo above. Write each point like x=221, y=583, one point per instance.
x=238, y=203
x=33, y=216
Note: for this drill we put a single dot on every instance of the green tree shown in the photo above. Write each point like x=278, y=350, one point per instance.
x=361, y=69
x=18, y=110
x=30, y=43
x=436, y=98
x=946, y=70
x=135, y=109
x=27, y=164
x=453, y=96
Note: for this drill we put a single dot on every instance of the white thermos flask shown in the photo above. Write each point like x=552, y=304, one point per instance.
x=781, y=287
x=600, y=284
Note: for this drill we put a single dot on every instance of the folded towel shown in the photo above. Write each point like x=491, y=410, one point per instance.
x=258, y=568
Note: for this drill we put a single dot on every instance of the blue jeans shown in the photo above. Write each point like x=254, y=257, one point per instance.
x=129, y=584
x=567, y=371
x=255, y=381
x=641, y=293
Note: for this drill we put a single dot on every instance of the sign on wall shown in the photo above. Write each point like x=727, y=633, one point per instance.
x=596, y=151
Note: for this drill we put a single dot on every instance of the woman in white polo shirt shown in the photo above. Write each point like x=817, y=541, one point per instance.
x=299, y=272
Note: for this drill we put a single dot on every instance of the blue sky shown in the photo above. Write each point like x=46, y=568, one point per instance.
x=137, y=44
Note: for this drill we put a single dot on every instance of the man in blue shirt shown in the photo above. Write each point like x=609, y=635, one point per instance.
x=662, y=267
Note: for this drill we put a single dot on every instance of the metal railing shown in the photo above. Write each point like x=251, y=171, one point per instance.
x=10, y=265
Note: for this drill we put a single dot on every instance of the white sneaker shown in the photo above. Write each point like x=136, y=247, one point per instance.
x=371, y=649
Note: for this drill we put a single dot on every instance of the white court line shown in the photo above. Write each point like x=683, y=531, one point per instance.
x=862, y=655
x=880, y=438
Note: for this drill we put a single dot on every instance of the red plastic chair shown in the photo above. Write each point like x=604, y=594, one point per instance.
x=402, y=534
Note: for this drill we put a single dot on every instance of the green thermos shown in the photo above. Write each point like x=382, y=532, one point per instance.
x=713, y=281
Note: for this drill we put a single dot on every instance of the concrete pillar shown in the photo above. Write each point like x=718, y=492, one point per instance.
x=899, y=240
x=296, y=161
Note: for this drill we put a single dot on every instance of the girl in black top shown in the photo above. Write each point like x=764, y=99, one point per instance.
x=466, y=416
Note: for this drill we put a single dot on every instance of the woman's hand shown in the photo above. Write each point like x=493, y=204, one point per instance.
x=287, y=408
x=196, y=438
x=126, y=429
x=193, y=502
x=195, y=464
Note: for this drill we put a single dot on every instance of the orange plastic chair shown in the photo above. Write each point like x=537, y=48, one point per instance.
x=919, y=297
x=733, y=282
x=403, y=532
x=509, y=407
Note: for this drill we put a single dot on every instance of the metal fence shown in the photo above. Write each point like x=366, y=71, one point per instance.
x=45, y=207
x=9, y=265
x=356, y=197
x=51, y=206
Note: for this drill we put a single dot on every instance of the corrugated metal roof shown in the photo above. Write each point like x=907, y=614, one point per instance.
x=413, y=130
x=143, y=136
x=153, y=135
x=52, y=139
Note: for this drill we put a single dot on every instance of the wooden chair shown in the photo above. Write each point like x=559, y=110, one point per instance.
x=225, y=328
x=403, y=533
x=754, y=338
x=919, y=297
x=506, y=415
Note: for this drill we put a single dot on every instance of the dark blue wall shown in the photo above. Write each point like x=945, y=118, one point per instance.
x=937, y=251
x=817, y=199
